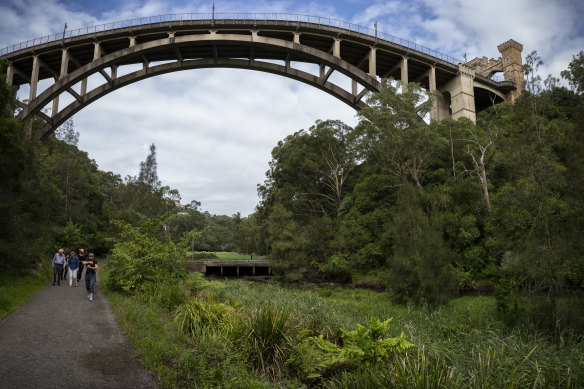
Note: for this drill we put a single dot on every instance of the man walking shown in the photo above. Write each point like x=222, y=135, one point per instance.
x=58, y=264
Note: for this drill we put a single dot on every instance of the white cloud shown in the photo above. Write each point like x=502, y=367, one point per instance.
x=214, y=130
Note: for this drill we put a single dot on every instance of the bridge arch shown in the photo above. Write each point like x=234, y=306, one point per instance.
x=98, y=66
x=267, y=45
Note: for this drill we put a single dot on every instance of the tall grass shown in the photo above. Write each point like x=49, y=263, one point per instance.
x=268, y=334
x=203, y=317
x=241, y=334
x=17, y=287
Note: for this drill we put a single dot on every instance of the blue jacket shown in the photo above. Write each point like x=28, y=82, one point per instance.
x=73, y=263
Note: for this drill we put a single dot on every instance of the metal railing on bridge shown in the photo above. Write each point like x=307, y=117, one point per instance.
x=220, y=18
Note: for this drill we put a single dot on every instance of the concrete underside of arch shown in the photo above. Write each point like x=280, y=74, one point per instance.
x=98, y=65
x=139, y=75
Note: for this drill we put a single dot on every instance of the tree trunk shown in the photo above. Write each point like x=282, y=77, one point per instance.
x=484, y=184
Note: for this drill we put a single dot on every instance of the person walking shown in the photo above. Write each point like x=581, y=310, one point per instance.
x=57, y=264
x=66, y=252
x=73, y=267
x=90, y=275
x=81, y=261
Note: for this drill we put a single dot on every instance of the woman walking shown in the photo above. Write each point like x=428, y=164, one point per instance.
x=90, y=276
x=73, y=267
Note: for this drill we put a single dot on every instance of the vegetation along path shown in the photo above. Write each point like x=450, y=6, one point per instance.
x=59, y=340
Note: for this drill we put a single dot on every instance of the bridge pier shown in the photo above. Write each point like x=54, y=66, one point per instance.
x=461, y=90
x=372, y=62
x=34, y=78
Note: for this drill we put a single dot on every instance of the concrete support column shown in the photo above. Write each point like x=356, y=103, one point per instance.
x=114, y=72
x=296, y=37
x=10, y=74
x=404, y=73
x=337, y=48
x=461, y=90
x=62, y=73
x=432, y=87
x=34, y=78
x=97, y=51
x=354, y=88
x=373, y=62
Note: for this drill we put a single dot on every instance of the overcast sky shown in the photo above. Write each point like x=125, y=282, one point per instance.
x=214, y=129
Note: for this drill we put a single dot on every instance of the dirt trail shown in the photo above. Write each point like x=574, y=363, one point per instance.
x=59, y=339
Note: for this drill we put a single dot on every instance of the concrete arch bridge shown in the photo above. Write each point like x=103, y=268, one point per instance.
x=273, y=43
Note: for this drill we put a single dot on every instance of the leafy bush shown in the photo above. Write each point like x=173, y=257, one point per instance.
x=362, y=347
x=143, y=257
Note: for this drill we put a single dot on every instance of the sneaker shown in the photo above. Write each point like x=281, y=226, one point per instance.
x=90, y=298
x=54, y=284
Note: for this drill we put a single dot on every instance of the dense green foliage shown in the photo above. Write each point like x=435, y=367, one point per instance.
x=435, y=210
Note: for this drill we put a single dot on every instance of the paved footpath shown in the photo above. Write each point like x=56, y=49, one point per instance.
x=59, y=339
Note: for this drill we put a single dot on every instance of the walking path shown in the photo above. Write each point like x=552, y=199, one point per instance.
x=59, y=339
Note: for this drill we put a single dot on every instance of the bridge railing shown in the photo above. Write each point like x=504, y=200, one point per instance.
x=222, y=18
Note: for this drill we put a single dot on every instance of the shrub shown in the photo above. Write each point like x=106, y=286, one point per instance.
x=141, y=257
x=362, y=347
x=268, y=334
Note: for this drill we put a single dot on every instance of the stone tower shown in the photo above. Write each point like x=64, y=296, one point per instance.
x=512, y=62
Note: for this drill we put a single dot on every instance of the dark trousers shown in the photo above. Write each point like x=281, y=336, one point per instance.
x=65, y=272
x=80, y=271
x=57, y=273
x=90, y=283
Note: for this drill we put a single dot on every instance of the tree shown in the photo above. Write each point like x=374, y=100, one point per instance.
x=144, y=193
x=480, y=141
x=309, y=169
x=575, y=73
x=339, y=156
x=393, y=134
x=283, y=236
x=67, y=134
x=537, y=211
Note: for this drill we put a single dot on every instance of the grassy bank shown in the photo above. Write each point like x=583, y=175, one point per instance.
x=16, y=287
x=240, y=334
